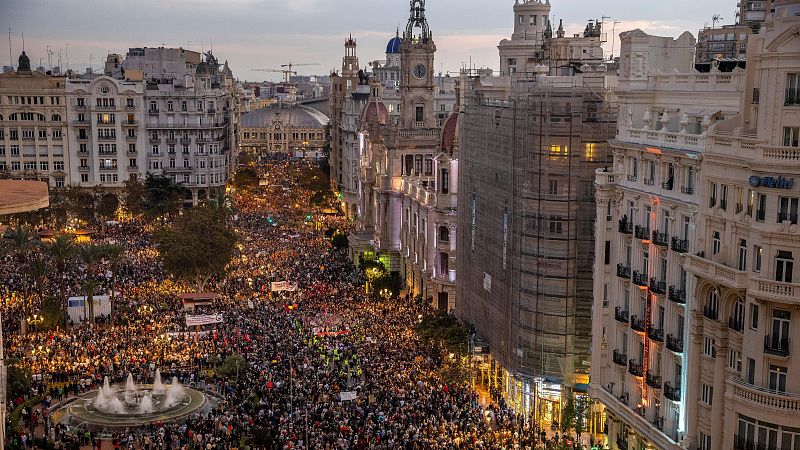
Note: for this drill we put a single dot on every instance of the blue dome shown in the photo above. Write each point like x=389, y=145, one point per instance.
x=394, y=45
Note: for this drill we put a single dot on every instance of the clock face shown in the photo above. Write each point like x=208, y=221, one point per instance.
x=420, y=71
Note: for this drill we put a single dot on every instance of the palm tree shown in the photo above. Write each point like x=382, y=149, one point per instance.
x=61, y=250
x=91, y=255
x=114, y=254
x=89, y=286
x=21, y=244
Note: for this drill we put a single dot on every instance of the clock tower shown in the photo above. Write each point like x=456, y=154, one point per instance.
x=416, y=71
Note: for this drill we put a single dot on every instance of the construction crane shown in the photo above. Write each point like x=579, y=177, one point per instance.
x=286, y=73
x=290, y=65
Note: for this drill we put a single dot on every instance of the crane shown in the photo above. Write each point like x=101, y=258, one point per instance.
x=290, y=65
x=286, y=73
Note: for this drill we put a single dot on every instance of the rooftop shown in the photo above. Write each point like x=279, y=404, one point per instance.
x=22, y=196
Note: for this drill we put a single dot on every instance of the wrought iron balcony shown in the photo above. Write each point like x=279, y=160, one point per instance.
x=654, y=381
x=655, y=334
x=787, y=217
x=668, y=185
x=687, y=190
x=620, y=359
x=639, y=279
x=621, y=315
x=641, y=232
x=680, y=245
x=622, y=443
x=658, y=287
x=638, y=324
x=660, y=239
x=675, y=344
x=677, y=296
x=736, y=324
x=636, y=369
x=623, y=271
x=776, y=346
x=625, y=227
x=710, y=313
x=672, y=392
x=658, y=422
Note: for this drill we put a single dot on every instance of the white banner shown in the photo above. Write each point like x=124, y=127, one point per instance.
x=347, y=396
x=204, y=319
x=278, y=286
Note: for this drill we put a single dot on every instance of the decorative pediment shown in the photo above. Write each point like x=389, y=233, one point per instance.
x=784, y=38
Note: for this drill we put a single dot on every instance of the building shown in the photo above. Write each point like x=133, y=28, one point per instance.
x=534, y=43
x=408, y=175
x=282, y=128
x=647, y=220
x=33, y=125
x=191, y=116
x=342, y=86
x=742, y=389
x=106, y=131
x=728, y=42
x=752, y=13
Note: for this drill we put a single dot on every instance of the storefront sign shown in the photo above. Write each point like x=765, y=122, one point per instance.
x=772, y=182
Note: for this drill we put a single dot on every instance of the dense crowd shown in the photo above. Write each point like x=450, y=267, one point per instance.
x=341, y=370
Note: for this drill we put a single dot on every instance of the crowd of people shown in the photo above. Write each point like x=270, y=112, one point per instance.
x=327, y=365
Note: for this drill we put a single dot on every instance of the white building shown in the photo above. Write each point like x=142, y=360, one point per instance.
x=33, y=125
x=106, y=136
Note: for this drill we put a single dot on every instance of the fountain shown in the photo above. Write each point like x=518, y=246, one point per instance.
x=134, y=404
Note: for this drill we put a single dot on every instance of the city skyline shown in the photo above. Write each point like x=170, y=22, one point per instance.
x=252, y=45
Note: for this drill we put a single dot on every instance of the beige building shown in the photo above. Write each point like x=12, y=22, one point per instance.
x=728, y=42
x=33, y=125
x=282, y=128
x=647, y=208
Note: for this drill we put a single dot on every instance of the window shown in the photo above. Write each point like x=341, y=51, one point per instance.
x=742, y=259
x=132, y=163
x=553, y=187
x=758, y=253
x=715, y=243
x=44, y=166
x=705, y=441
x=707, y=394
x=790, y=136
x=420, y=114
x=428, y=165
x=787, y=209
x=723, y=203
x=417, y=165
x=780, y=329
x=784, y=266
x=532, y=21
x=754, y=316
x=709, y=347
x=58, y=165
x=445, y=181
x=777, y=378
x=84, y=178
x=712, y=191
x=444, y=234
x=59, y=182
x=739, y=200
x=792, y=89
x=735, y=360
x=608, y=253
x=521, y=20
x=556, y=224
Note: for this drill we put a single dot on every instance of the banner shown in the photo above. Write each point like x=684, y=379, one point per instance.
x=278, y=286
x=204, y=319
x=347, y=396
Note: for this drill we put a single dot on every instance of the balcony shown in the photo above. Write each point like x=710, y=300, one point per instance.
x=638, y=324
x=780, y=402
x=776, y=346
x=625, y=227
x=654, y=381
x=658, y=287
x=640, y=279
x=130, y=123
x=84, y=168
x=155, y=141
x=642, y=233
x=742, y=443
x=660, y=239
x=677, y=296
x=622, y=442
x=82, y=137
x=775, y=291
x=106, y=107
x=604, y=178
x=787, y=217
x=84, y=123
x=130, y=107
x=672, y=392
x=172, y=141
x=130, y=138
x=792, y=97
x=186, y=141
x=658, y=422
x=107, y=138
x=736, y=324
x=108, y=168
x=711, y=313
x=620, y=359
x=152, y=111
x=636, y=369
x=674, y=344
x=623, y=272
x=107, y=153
x=716, y=272
x=668, y=185
x=649, y=182
x=80, y=107
x=688, y=190
x=680, y=245
x=655, y=334
x=621, y=315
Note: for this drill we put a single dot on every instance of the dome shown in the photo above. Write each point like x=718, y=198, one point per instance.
x=202, y=69
x=375, y=112
x=297, y=116
x=450, y=133
x=394, y=45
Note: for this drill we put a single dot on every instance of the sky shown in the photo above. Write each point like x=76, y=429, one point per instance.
x=267, y=33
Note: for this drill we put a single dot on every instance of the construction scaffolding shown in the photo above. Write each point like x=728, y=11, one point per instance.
x=530, y=148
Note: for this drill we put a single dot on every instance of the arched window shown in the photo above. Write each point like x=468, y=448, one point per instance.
x=56, y=118
x=444, y=234
x=40, y=117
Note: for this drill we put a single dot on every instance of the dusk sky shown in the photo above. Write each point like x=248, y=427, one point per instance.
x=268, y=33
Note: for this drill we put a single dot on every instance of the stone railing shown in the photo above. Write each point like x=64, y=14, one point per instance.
x=775, y=290
x=605, y=178
x=661, y=138
x=779, y=401
x=716, y=272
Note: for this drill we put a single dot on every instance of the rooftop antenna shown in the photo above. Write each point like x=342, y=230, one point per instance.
x=23, y=41
x=10, y=57
x=66, y=54
x=60, y=70
x=49, y=57
x=714, y=20
x=91, y=60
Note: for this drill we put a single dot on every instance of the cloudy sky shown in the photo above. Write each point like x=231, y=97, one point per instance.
x=267, y=33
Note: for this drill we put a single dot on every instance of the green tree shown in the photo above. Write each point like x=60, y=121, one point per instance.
x=163, y=197
x=91, y=254
x=18, y=380
x=233, y=367
x=339, y=241
x=53, y=313
x=61, y=251
x=133, y=197
x=21, y=245
x=197, y=246
x=245, y=178
x=114, y=254
x=81, y=203
x=107, y=206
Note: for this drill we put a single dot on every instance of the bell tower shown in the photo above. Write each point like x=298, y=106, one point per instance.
x=416, y=77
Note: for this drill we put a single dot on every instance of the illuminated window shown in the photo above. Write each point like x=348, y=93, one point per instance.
x=558, y=151
x=591, y=151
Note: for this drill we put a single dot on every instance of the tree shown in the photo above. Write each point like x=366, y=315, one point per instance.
x=81, y=203
x=61, y=250
x=233, y=367
x=91, y=254
x=21, y=239
x=197, y=246
x=107, y=206
x=245, y=178
x=114, y=254
x=339, y=241
x=18, y=380
x=574, y=414
x=133, y=197
x=163, y=196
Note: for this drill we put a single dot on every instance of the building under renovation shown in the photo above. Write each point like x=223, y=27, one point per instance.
x=529, y=149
